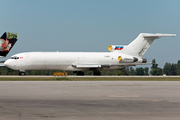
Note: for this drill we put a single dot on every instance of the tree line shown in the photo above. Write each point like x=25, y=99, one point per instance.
x=168, y=69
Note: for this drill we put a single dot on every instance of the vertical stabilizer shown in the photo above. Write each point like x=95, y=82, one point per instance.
x=140, y=45
x=6, y=43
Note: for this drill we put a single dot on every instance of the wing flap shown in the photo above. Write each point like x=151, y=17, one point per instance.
x=107, y=65
x=87, y=65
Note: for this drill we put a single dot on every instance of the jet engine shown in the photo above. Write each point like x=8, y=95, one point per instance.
x=127, y=59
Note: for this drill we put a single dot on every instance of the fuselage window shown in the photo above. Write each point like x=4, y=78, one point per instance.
x=14, y=57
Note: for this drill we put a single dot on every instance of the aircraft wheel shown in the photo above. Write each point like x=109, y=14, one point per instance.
x=75, y=72
x=21, y=73
x=80, y=73
x=97, y=73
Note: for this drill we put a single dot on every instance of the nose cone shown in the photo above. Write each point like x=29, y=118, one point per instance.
x=8, y=63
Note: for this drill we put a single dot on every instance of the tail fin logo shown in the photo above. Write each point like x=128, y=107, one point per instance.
x=119, y=48
x=5, y=45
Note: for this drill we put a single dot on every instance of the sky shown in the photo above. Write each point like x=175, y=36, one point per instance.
x=92, y=25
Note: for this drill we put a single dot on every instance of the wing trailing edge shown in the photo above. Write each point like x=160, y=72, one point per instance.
x=107, y=65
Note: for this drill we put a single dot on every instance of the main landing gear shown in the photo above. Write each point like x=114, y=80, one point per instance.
x=96, y=73
x=79, y=73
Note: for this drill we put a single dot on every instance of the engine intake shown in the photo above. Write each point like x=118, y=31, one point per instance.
x=127, y=59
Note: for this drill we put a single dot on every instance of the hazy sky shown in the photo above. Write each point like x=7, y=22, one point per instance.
x=92, y=25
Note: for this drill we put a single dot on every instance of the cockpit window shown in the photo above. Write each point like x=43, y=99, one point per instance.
x=14, y=57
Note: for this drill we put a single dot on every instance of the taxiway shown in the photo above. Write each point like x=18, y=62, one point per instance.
x=87, y=100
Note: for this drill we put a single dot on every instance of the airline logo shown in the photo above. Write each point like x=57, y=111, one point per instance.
x=118, y=47
x=5, y=45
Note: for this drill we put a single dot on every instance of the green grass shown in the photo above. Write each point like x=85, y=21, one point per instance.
x=21, y=78
x=126, y=79
x=27, y=79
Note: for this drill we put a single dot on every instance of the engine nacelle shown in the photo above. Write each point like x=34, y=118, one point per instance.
x=127, y=59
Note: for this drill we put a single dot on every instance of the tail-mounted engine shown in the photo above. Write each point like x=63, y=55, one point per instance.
x=127, y=59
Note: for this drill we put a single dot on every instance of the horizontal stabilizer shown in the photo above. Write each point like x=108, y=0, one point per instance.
x=158, y=35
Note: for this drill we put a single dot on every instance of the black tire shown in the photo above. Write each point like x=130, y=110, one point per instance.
x=80, y=73
x=97, y=73
x=21, y=73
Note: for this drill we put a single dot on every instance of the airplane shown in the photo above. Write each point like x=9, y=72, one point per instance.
x=6, y=43
x=119, y=57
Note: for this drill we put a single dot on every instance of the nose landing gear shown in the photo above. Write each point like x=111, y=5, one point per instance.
x=21, y=72
x=96, y=72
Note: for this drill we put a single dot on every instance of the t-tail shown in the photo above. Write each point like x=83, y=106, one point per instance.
x=139, y=46
x=6, y=43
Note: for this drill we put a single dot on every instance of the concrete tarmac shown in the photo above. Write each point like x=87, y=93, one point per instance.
x=89, y=100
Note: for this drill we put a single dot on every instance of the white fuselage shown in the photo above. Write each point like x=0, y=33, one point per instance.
x=60, y=60
x=120, y=57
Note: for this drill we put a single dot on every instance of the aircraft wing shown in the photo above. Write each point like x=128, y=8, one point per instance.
x=107, y=65
x=2, y=64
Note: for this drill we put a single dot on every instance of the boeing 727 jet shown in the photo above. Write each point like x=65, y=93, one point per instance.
x=119, y=57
